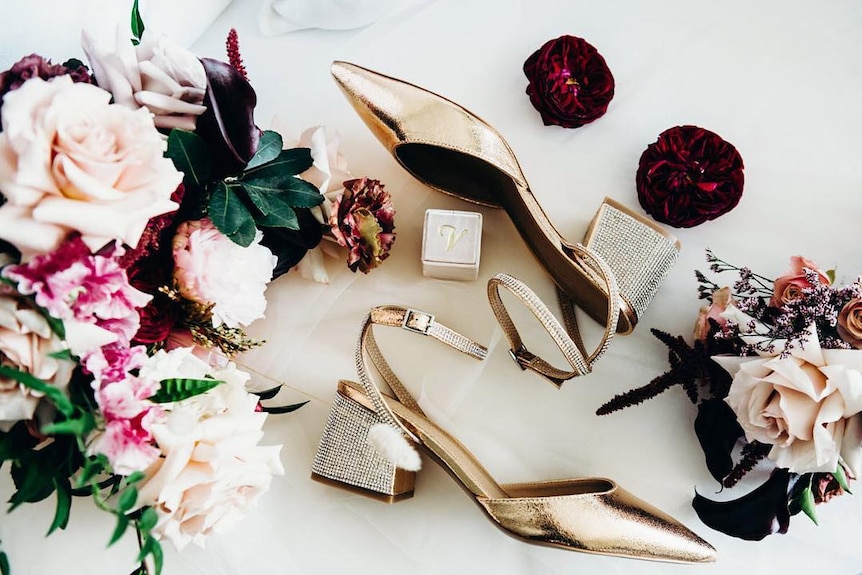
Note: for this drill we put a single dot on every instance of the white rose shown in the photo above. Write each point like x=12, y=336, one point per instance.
x=158, y=74
x=211, y=269
x=26, y=342
x=70, y=160
x=328, y=172
x=213, y=470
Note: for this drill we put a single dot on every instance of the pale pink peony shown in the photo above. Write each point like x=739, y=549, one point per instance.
x=71, y=161
x=26, y=342
x=789, y=286
x=212, y=269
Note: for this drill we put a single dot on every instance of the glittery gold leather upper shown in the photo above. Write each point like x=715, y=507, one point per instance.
x=454, y=151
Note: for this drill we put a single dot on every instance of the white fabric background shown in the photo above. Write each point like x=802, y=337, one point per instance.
x=781, y=80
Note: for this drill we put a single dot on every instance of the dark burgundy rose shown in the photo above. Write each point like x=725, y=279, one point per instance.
x=689, y=176
x=35, y=66
x=570, y=82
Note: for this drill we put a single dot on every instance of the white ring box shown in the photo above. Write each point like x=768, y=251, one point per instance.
x=451, y=244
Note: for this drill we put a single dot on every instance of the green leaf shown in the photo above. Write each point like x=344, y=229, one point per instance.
x=64, y=504
x=57, y=397
x=148, y=519
x=180, y=388
x=841, y=478
x=4, y=564
x=268, y=149
x=152, y=547
x=91, y=468
x=128, y=498
x=275, y=212
x=137, y=24
x=301, y=194
x=63, y=354
x=33, y=481
x=284, y=408
x=78, y=426
x=230, y=215
x=191, y=156
x=806, y=503
x=287, y=163
x=120, y=529
x=135, y=477
x=294, y=191
x=831, y=275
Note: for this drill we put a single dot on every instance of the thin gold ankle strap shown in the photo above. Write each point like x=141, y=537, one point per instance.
x=567, y=338
x=414, y=321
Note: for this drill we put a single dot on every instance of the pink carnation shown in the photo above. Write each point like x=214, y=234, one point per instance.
x=127, y=440
x=72, y=284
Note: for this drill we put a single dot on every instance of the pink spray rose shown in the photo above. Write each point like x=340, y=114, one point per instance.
x=721, y=298
x=789, y=286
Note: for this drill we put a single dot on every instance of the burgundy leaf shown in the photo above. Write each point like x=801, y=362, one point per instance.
x=752, y=517
x=717, y=430
x=228, y=123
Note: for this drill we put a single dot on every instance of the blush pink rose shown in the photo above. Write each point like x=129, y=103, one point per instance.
x=26, y=343
x=72, y=161
x=721, y=298
x=789, y=286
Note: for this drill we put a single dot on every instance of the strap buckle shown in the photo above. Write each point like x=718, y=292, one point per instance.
x=417, y=321
x=521, y=357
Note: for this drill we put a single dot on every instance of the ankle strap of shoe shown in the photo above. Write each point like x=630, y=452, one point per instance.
x=414, y=321
x=567, y=338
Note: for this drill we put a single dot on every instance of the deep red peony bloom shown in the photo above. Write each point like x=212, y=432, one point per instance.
x=570, y=82
x=689, y=176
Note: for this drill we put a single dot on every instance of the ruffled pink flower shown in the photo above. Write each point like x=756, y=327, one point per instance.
x=72, y=284
x=363, y=220
x=113, y=362
x=126, y=440
x=127, y=443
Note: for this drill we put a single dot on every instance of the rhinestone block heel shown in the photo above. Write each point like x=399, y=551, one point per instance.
x=592, y=515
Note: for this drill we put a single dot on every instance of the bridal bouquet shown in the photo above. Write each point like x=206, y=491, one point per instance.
x=142, y=215
x=776, y=372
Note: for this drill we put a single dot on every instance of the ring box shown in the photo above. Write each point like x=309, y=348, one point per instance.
x=451, y=244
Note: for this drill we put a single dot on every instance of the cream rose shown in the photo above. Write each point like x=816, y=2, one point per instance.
x=805, y=404
x=157, y=74
x=211, y=269
x=213, y=470
x=71, y=161
x=26, y=342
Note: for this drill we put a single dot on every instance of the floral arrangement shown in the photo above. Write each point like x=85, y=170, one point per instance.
x=776, y=372
x=570, y=83
x=689, y=176
x=142, y=215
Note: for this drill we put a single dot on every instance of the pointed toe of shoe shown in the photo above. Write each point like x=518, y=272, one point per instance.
x=596, y=516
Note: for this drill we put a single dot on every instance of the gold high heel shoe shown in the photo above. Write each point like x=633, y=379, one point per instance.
x=592, y=514
x=454, y=151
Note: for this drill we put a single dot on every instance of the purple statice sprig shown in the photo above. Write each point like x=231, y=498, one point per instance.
x=819, y=304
